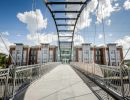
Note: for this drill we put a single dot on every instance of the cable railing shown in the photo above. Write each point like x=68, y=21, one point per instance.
x=15, y=79
x=114, y=79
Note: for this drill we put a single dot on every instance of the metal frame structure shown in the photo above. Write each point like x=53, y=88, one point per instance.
x=113, y=80
x=53, y=12
x=16, y=79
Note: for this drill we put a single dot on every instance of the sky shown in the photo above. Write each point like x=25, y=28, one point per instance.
x=22, y=23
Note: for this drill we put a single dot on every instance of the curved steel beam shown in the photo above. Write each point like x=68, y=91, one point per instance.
x=82, y=8
x=55, y=24
x=83, y=5
x=64, y=3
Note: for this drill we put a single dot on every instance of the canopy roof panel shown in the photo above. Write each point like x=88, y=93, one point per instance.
x=66, y=14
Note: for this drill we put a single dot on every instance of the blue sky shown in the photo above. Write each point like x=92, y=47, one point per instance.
x=10, y=23
x=117, y=31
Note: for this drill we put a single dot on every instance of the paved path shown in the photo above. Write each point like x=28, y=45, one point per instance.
x=62, y=83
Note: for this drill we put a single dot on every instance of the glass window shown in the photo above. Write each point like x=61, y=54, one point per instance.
x=18, y=51
x=45, y=51
x=31, y=52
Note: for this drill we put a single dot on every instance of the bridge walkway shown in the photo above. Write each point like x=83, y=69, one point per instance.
x=62, y=83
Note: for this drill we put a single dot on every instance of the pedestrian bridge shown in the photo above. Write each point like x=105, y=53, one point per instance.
x=62, y=83
x=56, y=81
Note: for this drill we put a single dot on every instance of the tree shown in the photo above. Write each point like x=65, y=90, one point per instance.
x=3, y=60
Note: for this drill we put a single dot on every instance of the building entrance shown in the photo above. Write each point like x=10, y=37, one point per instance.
x=65, y=61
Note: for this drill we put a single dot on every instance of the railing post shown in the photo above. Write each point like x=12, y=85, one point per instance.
x=93, y=65
x=6, y=85
x=14, y=79
x=129, y=77
x=122, y=86
x=39, y=69
x=104, y=76
x=30, y=74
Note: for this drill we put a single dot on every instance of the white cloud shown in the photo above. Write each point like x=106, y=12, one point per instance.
x=85, y=19
x=33, y=19
x=105, y=9
x=42, y=38
x=110, y=35
x=108, y=22
x=3, y=36
x=51, y=38
x=18, y=35
x=5, y=33
x=126, y=5
x=36, y=22
x=125, y=42
x=102, y=9
x=2, y=46
x=78, y=39
x=99, y=45
x=116, y=4
x=100, y=36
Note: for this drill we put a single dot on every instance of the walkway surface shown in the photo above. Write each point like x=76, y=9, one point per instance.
x=62, y=83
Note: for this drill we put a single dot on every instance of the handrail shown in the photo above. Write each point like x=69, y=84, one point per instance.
x=113, y=79
x=14, y=79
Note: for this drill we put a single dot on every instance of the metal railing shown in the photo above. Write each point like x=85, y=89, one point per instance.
x=4, y=75
x=114, y=79
x=15, y=79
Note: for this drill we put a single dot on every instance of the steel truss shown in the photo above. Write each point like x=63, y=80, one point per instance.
x=63, y=20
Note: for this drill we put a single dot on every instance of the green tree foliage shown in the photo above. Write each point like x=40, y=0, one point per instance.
x=3, y=60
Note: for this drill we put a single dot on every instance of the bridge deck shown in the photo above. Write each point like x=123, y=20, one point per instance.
x=62, y=83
